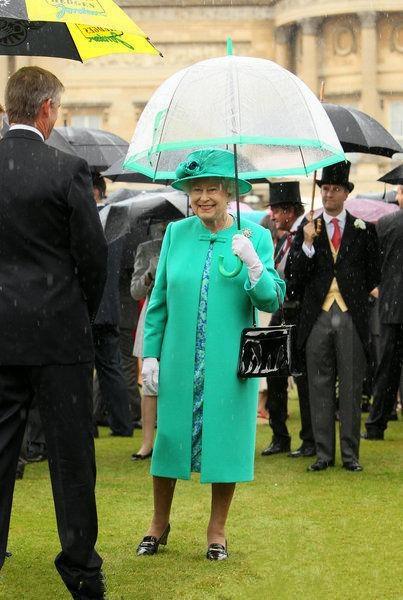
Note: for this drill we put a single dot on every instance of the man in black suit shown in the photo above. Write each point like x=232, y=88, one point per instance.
x=387, y=377
x=336, y=261
x=112, y=389
x=287, y=212
x=52, y=273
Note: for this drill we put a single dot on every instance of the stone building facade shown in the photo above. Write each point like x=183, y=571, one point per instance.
x=356, y=52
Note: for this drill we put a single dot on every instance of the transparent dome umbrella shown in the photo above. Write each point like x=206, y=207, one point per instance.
x=268, y=117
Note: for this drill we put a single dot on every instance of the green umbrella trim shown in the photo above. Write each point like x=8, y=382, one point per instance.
x=131, y=163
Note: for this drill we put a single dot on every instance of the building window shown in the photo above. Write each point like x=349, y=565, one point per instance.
x=83, y=120
x=92, y=115
x=396, y=120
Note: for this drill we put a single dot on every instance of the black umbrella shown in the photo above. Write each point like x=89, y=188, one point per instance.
x=95, y=32
x=358, y=132
x=394, y=177
x=116, y=172
x=129, y=217
x=99, y=148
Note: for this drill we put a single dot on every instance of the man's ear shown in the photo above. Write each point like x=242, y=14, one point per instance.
x=45, y=107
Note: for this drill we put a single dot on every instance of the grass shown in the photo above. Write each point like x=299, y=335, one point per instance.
x=293, y=535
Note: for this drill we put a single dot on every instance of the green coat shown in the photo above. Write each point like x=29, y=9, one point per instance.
x=230, y=405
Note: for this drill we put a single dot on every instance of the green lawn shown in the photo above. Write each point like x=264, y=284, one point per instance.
x=292, y=534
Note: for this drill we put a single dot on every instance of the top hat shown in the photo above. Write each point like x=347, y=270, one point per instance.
x=285, y=192
x=337, y=174
x=209, y=162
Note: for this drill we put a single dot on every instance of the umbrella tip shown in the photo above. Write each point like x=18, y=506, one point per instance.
x=229, y=47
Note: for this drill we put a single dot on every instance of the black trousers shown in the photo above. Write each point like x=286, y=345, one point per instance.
x=129, y=367
x=63, y=394
x=112, y=383
x=277, y=396
x=277, y=399
x=387, y=377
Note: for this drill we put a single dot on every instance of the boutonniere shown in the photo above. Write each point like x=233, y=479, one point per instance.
x=247, y=232
x=359, y=224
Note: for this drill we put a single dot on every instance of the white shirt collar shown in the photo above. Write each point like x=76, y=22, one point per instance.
x=341, y=217
x=29, y=128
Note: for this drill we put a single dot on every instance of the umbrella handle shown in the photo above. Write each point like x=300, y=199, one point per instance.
x=224, y=271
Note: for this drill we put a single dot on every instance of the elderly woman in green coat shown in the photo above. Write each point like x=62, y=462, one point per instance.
x=206, y=414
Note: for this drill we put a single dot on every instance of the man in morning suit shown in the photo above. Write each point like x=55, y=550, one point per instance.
x=287, y=212
x=336, y=261
x=52, y=273
x=387, y=377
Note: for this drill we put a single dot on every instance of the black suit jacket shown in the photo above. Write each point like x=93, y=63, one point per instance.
x=356, y=270
x=52, y=254
x=390, y=233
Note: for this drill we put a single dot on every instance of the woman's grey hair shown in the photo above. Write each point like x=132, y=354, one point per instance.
x=27, y=90
x=227, y=185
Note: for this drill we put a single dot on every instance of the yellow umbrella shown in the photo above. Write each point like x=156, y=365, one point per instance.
x=77, y=29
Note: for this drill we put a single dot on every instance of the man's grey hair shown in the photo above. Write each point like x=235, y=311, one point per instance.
x=27, y=90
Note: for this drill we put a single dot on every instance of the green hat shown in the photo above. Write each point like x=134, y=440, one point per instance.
x=210, y=162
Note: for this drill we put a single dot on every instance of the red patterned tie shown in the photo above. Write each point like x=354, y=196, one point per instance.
x=336, y=237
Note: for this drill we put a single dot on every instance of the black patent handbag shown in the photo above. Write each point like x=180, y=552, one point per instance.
x=267, y=351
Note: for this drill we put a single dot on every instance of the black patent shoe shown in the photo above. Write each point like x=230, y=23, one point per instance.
x=217, y=552
x=303, y=451
x=93, y=588
x=321, y=465
x=149, y=545
x=277, y=448
x=142, y=456
x=353, y=466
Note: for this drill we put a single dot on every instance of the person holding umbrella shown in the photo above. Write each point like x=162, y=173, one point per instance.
x=206, y=415
x=287, y=213
x=337, y=267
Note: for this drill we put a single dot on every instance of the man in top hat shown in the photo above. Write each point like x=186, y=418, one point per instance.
x=287, y=213
x=336, y=261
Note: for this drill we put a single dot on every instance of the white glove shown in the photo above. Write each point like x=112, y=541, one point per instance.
x=243, y=247
x=149, y=373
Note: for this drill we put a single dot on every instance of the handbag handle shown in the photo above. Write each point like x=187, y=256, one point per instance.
x=280, y=305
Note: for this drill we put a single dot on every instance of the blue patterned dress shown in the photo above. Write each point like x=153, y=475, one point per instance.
x=198, y=381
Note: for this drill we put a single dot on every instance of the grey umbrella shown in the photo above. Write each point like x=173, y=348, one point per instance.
x=99, y=148
x=358, y=132
x=116, y=172
x=130, y=216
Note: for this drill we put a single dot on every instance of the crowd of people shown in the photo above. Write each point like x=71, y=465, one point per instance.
x=70, y=303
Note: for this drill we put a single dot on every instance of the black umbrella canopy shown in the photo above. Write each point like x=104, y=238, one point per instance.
x=99, y=148
x=394, y=177
x=36, y=38
x=127, y=217
x=116, y=172
x=358, y=132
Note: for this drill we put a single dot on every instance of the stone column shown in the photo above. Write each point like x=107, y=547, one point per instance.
x=367, y=169
x=369, y=94
x=282, y=47
x=308, y=70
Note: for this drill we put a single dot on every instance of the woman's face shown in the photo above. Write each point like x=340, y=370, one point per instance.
x=209, y=200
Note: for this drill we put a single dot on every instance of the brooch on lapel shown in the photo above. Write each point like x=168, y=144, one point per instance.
x=247, y=232
x=359, y=224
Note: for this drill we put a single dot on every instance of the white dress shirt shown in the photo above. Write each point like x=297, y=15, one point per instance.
x=29, y=128
x=341, y=217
